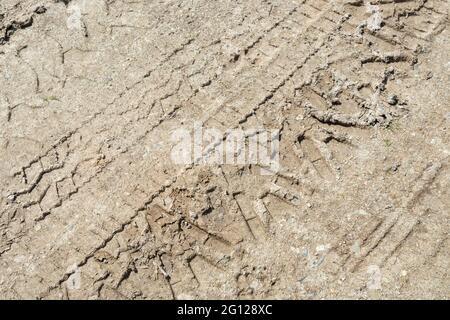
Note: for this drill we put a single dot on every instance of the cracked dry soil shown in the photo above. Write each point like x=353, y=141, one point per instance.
x=91, y=205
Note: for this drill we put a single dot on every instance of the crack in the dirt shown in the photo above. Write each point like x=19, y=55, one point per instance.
x=16, y=25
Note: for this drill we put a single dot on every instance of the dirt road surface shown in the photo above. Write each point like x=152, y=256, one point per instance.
x=93, y=205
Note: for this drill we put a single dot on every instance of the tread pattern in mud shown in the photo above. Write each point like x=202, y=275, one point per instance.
x=90, y=208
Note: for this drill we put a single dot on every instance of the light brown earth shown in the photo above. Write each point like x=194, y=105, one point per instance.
x=93, y=207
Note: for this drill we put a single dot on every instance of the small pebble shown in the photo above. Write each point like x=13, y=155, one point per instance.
x=393, y=100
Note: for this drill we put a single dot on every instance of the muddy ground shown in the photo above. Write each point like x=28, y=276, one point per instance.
x=92, y=205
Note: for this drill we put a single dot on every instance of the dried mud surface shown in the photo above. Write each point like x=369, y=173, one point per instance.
x=91, y=207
